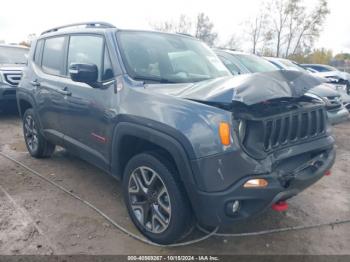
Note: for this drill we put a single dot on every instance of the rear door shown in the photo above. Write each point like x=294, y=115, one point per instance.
x=48, y=77
x=87, y=123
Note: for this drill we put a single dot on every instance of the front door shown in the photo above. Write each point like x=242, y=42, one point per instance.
x=87, y=123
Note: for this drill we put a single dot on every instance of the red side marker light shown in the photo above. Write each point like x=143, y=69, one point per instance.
x=328, y=173
x=280, y=206
x=101, y=139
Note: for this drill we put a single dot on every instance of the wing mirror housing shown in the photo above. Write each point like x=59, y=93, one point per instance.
x=84, y=73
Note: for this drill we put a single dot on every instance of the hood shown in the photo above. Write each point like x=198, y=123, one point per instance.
x=248, y=89
x=11, y=67
x=345, y=75
x=324, y=91
x=336, y=74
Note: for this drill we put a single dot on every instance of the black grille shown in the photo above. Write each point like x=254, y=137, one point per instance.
x=13, y=78
x=268, y=134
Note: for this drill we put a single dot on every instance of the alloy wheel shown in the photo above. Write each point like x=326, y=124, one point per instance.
x=149, y=200
x=31, y=133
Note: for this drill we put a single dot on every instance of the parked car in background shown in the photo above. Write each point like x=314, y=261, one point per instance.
x=341, y=80
x=339, y=85
x=162, y=113
x=327, y=71
x=12, y=61
x=243, y=63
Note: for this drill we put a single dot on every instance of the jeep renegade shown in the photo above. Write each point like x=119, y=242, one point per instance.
x=161, y=113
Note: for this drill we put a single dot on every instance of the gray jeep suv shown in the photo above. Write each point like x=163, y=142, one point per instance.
x=161, y=113
x=12, y=60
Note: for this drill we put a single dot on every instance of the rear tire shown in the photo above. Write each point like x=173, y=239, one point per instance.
x=155, y=199
x=36, y=143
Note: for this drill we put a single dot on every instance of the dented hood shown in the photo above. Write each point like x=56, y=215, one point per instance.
x=249, y=89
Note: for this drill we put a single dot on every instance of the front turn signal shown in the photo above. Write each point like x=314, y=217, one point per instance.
x=256, y=183
x=224, y=132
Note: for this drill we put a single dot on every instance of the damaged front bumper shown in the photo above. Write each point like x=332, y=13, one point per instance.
x=287, y=178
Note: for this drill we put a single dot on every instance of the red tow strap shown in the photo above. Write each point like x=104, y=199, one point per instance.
x=280, y=206
x=328, y=173
x=283, y=205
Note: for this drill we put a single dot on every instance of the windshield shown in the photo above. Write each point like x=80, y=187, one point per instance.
x=167, y=58
x=13, y=55
x=256, y=64
x=329, y=68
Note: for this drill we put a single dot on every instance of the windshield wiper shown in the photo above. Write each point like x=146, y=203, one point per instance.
x=201, y=79
x=153, y=79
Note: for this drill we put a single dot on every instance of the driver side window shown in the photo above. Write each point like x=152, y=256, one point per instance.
x=86, y=49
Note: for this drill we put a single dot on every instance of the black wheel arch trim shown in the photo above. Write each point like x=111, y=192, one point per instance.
x=21, y=96
x=24, y=97
x=163, y=136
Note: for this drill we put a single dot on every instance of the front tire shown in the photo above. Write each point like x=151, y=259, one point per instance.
x=37, y=145
x=155, y=199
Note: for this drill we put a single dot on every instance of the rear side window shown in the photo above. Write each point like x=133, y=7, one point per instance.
x=53, y=55
x=38, y=49
x=86, y=49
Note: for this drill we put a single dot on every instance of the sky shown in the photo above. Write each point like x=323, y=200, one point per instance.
x=25, y=17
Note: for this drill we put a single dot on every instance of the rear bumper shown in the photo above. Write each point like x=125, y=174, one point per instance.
x=338, y=116
x=7, y=93
x=213, y=208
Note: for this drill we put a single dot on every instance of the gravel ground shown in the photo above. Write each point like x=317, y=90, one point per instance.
x=37, y=218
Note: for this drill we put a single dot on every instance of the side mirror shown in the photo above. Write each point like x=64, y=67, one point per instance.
x=84, y=73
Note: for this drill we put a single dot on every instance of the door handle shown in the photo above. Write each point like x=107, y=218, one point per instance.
x=35, y=83
x=65, y=91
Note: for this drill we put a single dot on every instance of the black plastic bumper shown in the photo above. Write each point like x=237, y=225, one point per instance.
x=212, y=208
x=7, y=93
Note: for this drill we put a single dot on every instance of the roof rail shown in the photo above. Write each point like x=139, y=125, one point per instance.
x=87, y=24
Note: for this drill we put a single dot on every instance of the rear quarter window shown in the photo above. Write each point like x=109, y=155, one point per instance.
x=38, y=51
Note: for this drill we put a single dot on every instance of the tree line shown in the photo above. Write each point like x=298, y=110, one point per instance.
x=282, y=28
